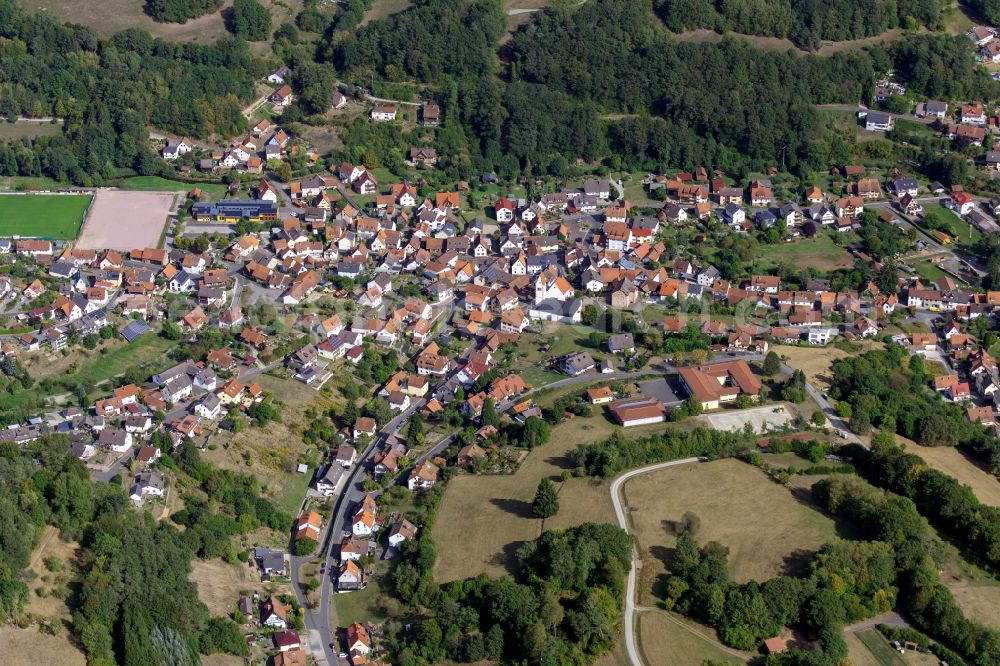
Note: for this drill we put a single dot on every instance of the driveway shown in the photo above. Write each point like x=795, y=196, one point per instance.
x=616, y=499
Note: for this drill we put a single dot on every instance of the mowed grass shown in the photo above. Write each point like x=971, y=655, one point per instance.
x=52, y=216
x=767, y=529
x=28, y=130
x=483, y=520
x=666, y=640
x=879, y=648
x=214, y=191
x=820, y=252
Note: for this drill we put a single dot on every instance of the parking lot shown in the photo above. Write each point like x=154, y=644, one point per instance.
x=666, y=389
x=763, y=419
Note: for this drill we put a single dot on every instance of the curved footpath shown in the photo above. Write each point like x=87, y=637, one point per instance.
x=616, y=499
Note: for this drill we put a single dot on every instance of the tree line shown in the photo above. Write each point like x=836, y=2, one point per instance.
x=617, y=453
x=894, y=520
x=180, y=11
x=953, y=506
x=846, y=582
x=804, y=22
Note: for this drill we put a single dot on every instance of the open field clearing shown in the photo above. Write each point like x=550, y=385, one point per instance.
x=219, y=583
x=273, y=451
x=820, y=252
x=121, y=220
x=100, y=366
x=483, y=520
x=976, y=592
x=780, y=44
x=28, y=129
x=815, y=362
x=29, y=647
x=668, y=640
x=383, y=8
x=953, y=462
x=107, y=17
x=728, y=496
x=53, y=216
x=110, y=16
x=61, y=555
x=858, y=653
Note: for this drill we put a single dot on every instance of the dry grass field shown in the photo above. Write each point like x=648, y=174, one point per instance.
x=383, y=8
x=858, y=653
x=219, y=583
x=668, y=640
x=275, y=449
x=483, y=520
x=28, y=129
x=47, y=605
x=976, y=592
x=779, y=44
x=222, y=660
x=953, y=462
x=110, y=16
x=816, y=362
x=28, y=647
x=767, y=529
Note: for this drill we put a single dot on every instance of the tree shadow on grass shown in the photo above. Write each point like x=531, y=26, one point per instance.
x=519, y=508
x=507, y=558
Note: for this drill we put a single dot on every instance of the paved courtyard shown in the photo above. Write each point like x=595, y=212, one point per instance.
x=666, y=389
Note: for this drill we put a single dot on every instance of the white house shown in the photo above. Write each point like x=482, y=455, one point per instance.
x=147, y=484
x=175, y=149
x=876, y=121
x=821, y=336
x=383, y=113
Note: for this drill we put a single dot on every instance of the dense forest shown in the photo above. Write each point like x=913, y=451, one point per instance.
x=435, y=37
x=134, y=604
x=569, y=67
x=180, y=11
x=110, y=91
x=601, y=81
x=805, y=22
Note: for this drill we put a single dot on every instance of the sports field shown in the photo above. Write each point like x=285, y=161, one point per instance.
x=123, y=220
x=53, y=216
